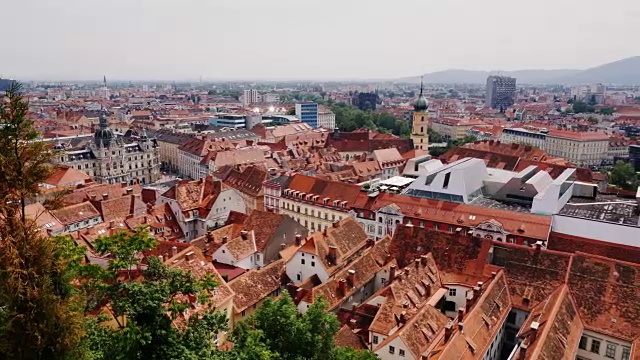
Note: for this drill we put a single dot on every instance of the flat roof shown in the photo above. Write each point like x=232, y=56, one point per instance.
x=397, y=181
x=605, y=208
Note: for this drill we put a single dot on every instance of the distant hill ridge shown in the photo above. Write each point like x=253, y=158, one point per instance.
x=623, y=72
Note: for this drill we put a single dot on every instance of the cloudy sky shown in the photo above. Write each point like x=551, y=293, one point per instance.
x=305, y=39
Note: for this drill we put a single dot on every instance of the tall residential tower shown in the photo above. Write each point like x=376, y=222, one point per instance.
x=500, y=92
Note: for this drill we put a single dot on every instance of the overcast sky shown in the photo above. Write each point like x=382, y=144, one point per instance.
x=307, y=39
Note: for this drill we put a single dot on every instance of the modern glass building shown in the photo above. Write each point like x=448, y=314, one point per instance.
x=308, y=113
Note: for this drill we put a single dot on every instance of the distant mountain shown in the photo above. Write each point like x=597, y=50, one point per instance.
x=625, y=72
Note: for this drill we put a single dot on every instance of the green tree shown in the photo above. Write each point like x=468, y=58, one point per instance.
x=276, y=330
x=152, y=305
x=40, y=312
x=607, y=111
x=624, y=176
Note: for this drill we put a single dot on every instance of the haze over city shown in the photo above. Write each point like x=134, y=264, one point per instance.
x=168, y=40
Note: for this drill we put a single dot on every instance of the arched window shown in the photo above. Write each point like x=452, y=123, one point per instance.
x=380, y=219
x=421, y=129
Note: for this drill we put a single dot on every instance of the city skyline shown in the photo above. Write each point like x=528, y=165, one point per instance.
x=287, y=40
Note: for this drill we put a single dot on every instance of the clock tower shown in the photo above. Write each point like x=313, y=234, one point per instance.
x=419, y=133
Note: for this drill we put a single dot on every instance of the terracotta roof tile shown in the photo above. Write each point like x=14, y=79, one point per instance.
x=255, y=285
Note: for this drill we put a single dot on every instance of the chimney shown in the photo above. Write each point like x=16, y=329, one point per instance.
x=92, y=196
x=174, y=251
x=533, y=331
x=448, y=331
x=417, y=263
x=225, y=239
x=370, y=242
x=403, y=317
x=283, y=246
x=476, y=292
x=336, y=224
x=480, y=284
x=325, y=232
x=460, y=326
x=161, y=258
x=112, y=224
x=188, y=256
x=351, y=277
x=460, y=314
x=407, y=271
x=208, y=238
x=392, y=273
x=243, y=234
x=129, y=191
x=493, y=274
x=342, y=287
x=538, y=245
x=523, y=350
x=352, y=324
x=298, y=239
x=424, y=260
x=497, y=142
x=333, y=253
x=105, y=196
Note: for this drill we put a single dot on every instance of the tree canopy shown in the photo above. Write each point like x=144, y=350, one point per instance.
x=277, y=331
x=624, y=176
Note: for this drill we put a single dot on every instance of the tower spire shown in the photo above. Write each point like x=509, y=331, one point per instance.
x=421, y=84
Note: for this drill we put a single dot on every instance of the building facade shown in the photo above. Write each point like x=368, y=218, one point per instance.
x=112, y=159
x=500, y=92
x=308, y=113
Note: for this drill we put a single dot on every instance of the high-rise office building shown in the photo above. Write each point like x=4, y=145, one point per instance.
x=501, y=92
x=307, y=112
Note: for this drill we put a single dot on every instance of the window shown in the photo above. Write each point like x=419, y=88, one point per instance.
x=392, y=350
x=595, y=346
x=583, y=343
x=375, y=339
x=452, y=292
x=447, y=177
x=626, y=353
x=611, y=351
x=401, y=352
x=299, y=277
x=313, y=263
x=302, y=261
x=243, y=313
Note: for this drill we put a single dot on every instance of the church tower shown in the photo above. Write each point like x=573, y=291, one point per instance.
x=419, y=133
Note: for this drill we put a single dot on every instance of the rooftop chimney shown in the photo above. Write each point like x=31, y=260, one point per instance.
x=460, y=326
x=448, y=331
x=417, y=263
x=243, y=234
x=523, y=350
x=129, y=191
x=460, y=314
x=342, y=287
x=493, y=274
x=352, y=324
x=161, y=258
x=533, y=331
x=351, y=276
x=424, y=260
x=298, y=239
x=476, y=292
x=333, y=253
x=336, y=224
x=225, y=239
x=283, y=246
x=105, y=196
x=370, y=242
x=392, y=273
x=174, y=251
